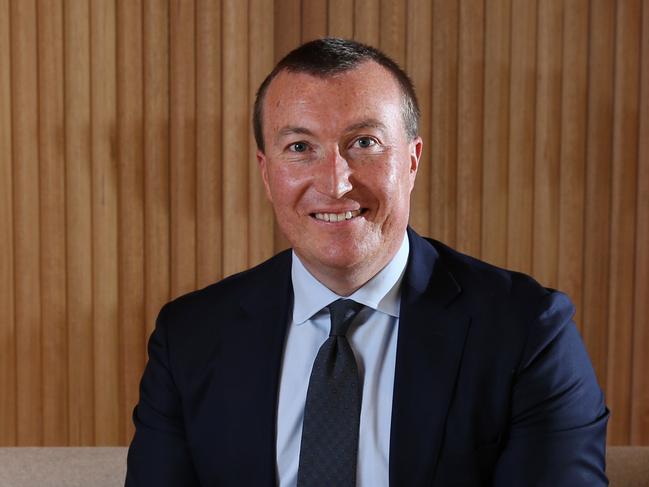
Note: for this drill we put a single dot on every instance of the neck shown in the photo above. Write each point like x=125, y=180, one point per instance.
x=346, y=280
x=343, y=283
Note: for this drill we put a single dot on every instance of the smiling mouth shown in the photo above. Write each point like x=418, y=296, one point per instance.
x=338, y=217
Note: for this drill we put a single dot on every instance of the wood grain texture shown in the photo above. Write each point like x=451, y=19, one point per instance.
x=623, y=219
x=573, y=152
x=314, y=20
x=7, y=324
x=418, y=65
x=105, y=197
x=545, y=254
x=392, y=38
x=128, y=174
x=182, y=84
x=236, y=130
x=340, y=17
x=470, y=99
x=367, y=21
x=209, y=211
x=522, y=122
x=51, y=141
x=261, y=219
x=130, y=163
x=156, y=160
x=443, y=185
x=640, y=381
x=598, y=184
x=79, y=222
x=495, y=175
x=287, y=18
x=24, y=98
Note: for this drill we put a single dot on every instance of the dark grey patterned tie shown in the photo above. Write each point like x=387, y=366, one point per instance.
x=333, y=405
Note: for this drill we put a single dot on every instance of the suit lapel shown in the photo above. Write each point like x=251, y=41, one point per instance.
x=432, y=331
x=267, y=308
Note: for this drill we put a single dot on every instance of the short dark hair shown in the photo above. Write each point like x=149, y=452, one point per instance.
x=330, y=56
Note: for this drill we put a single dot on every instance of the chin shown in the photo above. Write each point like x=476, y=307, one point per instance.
x=342, y=257
x=328, y=256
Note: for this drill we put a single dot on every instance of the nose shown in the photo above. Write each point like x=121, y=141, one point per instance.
x=332, y=177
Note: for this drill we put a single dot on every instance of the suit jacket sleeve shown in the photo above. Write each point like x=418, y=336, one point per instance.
x=159, y=455
x=557, y=432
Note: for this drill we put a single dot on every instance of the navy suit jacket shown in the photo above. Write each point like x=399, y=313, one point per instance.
x=492, y=383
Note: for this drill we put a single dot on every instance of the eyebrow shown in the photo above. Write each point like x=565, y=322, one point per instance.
x=370, y=123
x=290, y=130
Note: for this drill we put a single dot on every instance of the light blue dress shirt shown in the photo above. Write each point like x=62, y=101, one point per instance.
x=373, y=338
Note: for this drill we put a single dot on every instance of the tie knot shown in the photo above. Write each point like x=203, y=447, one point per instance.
x=342, y=313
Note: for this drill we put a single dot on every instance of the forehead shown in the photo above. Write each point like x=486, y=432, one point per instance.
x=366, y=91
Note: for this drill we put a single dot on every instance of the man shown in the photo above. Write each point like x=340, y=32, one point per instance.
x=368, y=355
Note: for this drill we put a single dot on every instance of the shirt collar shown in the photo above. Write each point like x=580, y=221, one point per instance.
x=381, y=293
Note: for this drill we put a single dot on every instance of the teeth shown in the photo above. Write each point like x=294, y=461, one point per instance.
x=337, y=217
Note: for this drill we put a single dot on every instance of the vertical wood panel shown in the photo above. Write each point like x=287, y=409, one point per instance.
x=598, y=180
x=418, y=64
x=496, y=130
x=156, y=161
x=26, y=212
x=341, y=18
x=287, y=19
x=443, y=186
x=623, y=207
x=104, y=222
x=78, y=221
x=573, y=151
x=548, y=144
x=52, y=192
x=123, y=180
x=235, y=130
x=7, y=326
x=522, y=116
x=130, y=163
x=183, y=147
x=367, y=21
x=208, y=142
x=470, y=126
x=392, y=39
x=640, y=385
x=260, y=220
x=314, y=19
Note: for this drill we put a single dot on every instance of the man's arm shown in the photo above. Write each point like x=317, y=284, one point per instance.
x=558, y=426
x=159, y=455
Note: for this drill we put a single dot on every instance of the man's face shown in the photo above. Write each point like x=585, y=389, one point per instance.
x=338, y=167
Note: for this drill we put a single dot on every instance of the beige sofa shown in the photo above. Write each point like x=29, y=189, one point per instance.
x=106, y=467
x=628, y=466
x=63, y=467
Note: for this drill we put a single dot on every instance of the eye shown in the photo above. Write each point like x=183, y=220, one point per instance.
x=298, y=147
x=365, y=142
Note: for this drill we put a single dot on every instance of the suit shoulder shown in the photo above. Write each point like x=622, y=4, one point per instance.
x=508, y=300
x=488, y=280
x=228, y=291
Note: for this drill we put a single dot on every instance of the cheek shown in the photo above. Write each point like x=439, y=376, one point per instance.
x=286, y=186
x=387, y=181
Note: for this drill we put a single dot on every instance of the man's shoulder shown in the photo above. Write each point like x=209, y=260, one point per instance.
x=475, y=273
x=228, y=292
x=485, y=285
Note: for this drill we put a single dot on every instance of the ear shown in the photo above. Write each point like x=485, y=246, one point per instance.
x=263, y=168
x=415, y=148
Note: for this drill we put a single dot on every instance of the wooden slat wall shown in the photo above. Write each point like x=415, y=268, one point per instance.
x=52, y=204
x=128, y=174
